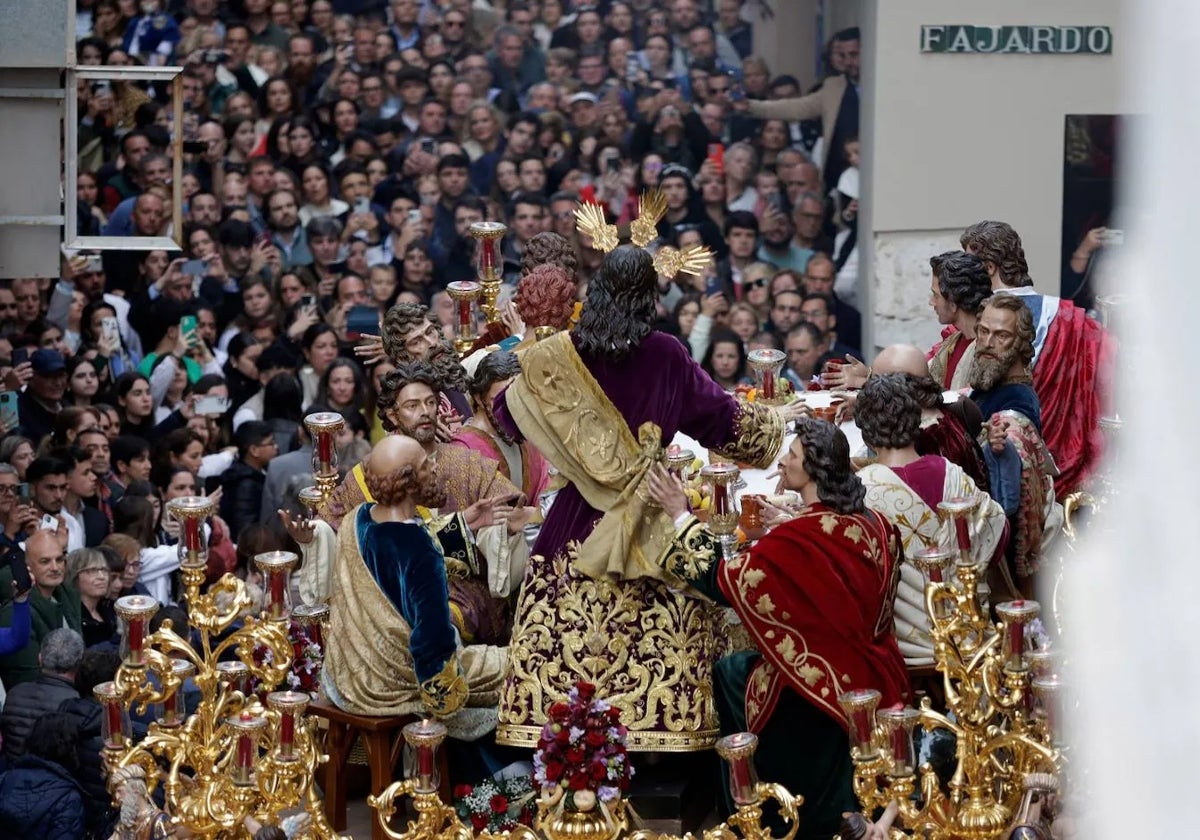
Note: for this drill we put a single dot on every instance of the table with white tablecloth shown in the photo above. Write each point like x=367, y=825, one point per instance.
x=756, y=480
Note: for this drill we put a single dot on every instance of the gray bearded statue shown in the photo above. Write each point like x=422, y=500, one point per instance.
x=140, y=818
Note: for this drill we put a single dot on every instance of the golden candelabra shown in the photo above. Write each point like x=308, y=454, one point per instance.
x=436, y=819
x=490, y=263
x=323, y=428
x=235, y=756
x=1003, y=701
x=464, y=293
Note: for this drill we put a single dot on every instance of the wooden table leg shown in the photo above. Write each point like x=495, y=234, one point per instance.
x=338, y=742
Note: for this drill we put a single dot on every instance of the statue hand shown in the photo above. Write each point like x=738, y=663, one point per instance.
x=667, y=490
x=301, y=530
x=370, y=350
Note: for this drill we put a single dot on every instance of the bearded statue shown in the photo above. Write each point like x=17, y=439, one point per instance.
x=140, y=818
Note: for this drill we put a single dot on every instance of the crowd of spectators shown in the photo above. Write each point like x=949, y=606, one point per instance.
x=337, y=153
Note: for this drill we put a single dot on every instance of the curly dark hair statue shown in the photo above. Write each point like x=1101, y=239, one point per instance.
x=888, y=412
x=549, y=248
x=400, y=320
x=619, y=309
x=394, y=381
x=962, y=279
x=827, y=462
x=494, y=367
x=925, y=390
x=999, y=244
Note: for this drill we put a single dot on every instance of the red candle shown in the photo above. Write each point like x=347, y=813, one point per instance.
x=963, y=533
x=287, y=732
x=324, y=448
x=489, y=257
x=464, y=313
x=425, y=763
x=935, y=575
x=137, y=630
x=191, y=533
x=169, y=708
x=277, y=582
x=742, y=787
x=768, y=385
x=314, y=633
x=113, y=711
x=1016, y=639
x=720, y=504
x=245, y=747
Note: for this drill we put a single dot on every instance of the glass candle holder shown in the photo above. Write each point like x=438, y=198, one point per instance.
x=424, y=737
x=114, y=721
x=1042, y=661
x=1048, y=692
x=276, y=568
x=489, y=235
x=172, y=711
x=312, y=617
x=898, y=725
x=235, y=674
x=291, y=706
x=247, y=728
x=958, y=511
x=738, y=752
x=312, y=499
x=323, y=427
x=464, y=292
x=933, y=561
x=190, y=512
x=767, y=365
x=859, y=706
x=135, y=612
x=1015, y=615
x=679, y=462
x=723, y=510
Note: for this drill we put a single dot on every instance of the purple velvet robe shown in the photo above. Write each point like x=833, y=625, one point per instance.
x=658, y=382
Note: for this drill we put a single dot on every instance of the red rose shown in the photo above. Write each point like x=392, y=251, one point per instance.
x=599, y=771
x=596, y=738
x=585, y=690
x=462, y=791
x=614, y=714
x=579, y=780
x=479, y=822
x=499, y=804
x=562, y=736
x=575, y=755
x=559, y=711
x=554, y=770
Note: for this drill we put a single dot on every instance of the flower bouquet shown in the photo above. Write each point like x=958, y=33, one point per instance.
x=581, y=760
x=496, y=805
x=307, y=659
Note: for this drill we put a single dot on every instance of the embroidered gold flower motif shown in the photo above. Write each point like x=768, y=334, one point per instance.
x=829, y=523
x=754, y=577
x=811, y=674
x=764, y=605
x=853, y=533
x=787, y=649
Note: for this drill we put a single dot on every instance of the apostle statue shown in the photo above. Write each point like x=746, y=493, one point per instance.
x=816, y=595
x=600, y=403
x=392, y=648
x=907, y=488
x=140, y=818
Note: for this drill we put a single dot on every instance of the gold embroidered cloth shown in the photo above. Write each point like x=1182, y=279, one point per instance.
x=367, y=647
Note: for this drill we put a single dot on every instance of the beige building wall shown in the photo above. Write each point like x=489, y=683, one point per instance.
x=951, y=139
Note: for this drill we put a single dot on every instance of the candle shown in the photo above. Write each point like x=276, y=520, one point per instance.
x=324, y=448
x=962, y=531
x=741, y=780
x=464, y=314
x=287, y=733
x=935, y=575
x=278, y=579
x=489, y=257
x=425, y=762
x=245, y=751
x=1016, y=639
x=169, y=718
x=768, y=385
x=113, y=737
x=137, y=632
x=720, y=504
x=191, y=533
